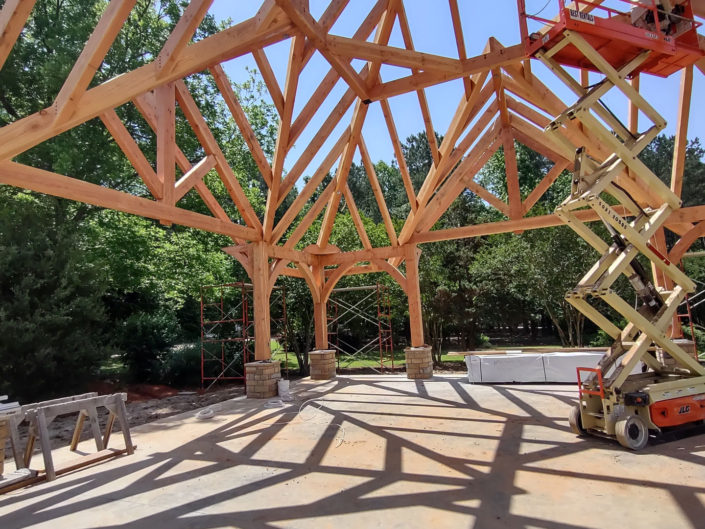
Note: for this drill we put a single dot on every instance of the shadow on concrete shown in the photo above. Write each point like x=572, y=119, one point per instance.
x=481, y=490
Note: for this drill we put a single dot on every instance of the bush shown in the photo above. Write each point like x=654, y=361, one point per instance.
x=181, y=365
x=144, y=338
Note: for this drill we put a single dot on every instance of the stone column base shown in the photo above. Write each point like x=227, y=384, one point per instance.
x=322, y=363
x=261, y=379
x=419, y=362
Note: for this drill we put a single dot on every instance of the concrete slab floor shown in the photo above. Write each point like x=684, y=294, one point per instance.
x=378, y=451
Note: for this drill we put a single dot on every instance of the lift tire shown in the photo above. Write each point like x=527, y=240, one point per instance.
x=632, y=432
x=576, y=421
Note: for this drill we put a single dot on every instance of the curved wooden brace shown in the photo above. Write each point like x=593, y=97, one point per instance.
x=393, y=271
x=275, y=272
x=310, y=281
x=333, y=280
x=686, y=241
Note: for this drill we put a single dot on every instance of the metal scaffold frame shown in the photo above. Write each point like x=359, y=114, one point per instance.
x=227, y=329
x=370, y=304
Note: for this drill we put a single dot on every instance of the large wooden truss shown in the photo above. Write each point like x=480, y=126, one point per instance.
x=502, y=102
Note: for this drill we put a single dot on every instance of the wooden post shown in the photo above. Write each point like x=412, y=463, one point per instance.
x=414, y=295
x=320, y=311
x=260, y=282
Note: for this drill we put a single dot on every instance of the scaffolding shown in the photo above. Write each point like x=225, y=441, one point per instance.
x=227, y=330
x=360, y=322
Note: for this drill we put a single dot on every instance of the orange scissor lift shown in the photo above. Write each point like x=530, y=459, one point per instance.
x=613, y=399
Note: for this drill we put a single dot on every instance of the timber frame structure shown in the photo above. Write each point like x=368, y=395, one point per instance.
x=502, y=102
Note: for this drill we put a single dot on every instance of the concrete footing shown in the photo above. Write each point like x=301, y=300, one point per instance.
x=419, y=362
x=322, y=363
x=261, y=379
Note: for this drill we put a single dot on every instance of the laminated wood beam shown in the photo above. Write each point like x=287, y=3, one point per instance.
x=13, y=17
x=41, y=181
x=182, y=34
x=91, y=57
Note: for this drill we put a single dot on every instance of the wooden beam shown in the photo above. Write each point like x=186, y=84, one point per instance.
x=399, y=154
x=226, y=90
x=282, y=145
x=331, y=78
x=413, y=291
x=506, y=226
x=182, y=33
x=343, y=258
x=41, y=181
x=260, y=293
x=310, y=216
x=543, y=185
x=459, y=40
x=132, y=151
x=357, y=220
x=193, y=176
x=270, y=80
x=309, y=27
x=421, y=95
x=302, y=198
x=681, y=142
x=91, y=58
x=13, y=17
x=377, y=191
x=232, y=42
x=479, y=64
x=512, y=175
x=209, y=143
x=166, y=140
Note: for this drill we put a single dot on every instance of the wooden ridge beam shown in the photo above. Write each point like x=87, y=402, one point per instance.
x=42, y=181
x=13, y=18
x=32, y=130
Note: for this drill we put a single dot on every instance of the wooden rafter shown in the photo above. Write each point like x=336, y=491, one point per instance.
x=91, y=57
x=182, y=34
x=226, y=90
x=270, y=80
x=13, y=17
x=399, y=154
x=459, y=40
x=315, y=34
x=377, y=191
x=357, y=220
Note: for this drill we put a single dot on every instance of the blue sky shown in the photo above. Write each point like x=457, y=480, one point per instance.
x=431, y=29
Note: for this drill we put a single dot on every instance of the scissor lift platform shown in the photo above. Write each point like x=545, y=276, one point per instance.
x=614, y=35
